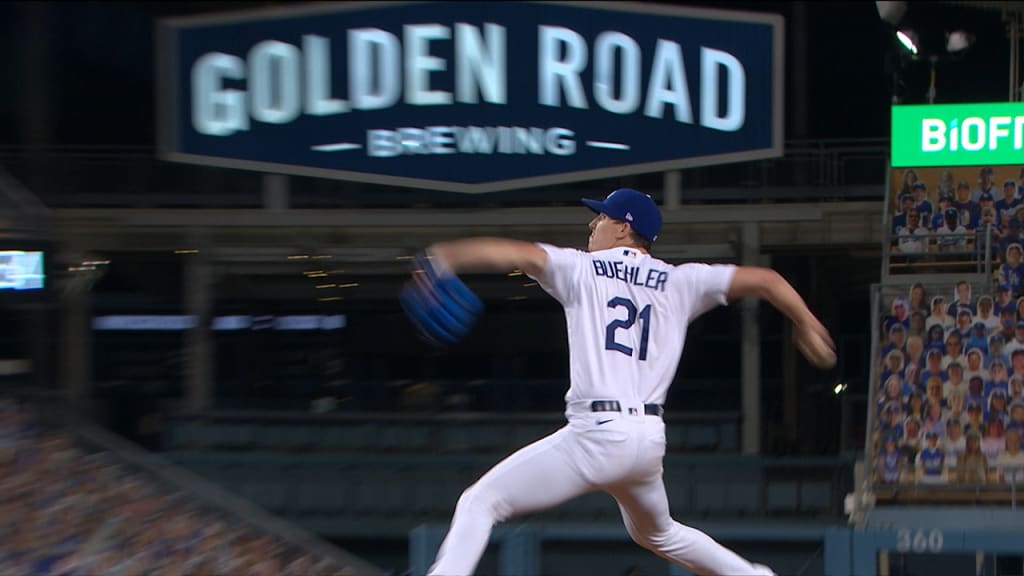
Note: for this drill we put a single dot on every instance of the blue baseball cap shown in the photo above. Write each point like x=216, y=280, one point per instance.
x=985, y=196
x=919, y=184
x=631, y=206
x=951, y=213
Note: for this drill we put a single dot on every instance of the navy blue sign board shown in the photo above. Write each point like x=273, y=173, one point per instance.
x=470, y=96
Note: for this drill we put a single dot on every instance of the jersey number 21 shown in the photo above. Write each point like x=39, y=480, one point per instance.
x=631, y=316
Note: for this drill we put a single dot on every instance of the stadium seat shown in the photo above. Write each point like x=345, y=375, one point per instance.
x=781, y=497
x=449, y=485
x=675, y=438
x=412, y=438
x=710, y=496
x=307, y=498
x=333, y=438
x=727, y=438
x=529, y=433
x=701, y=437
x=275, y=497
x=422, y=499
x=272, y=437
x=456, y=439
x=238, y=436
x=217, y=435
x=352, y=438
x=815, y=496
x=180, y=436
x=490, y=438
x=594, y=506
x=296, y=437
x=744, y=497
x=389, y=492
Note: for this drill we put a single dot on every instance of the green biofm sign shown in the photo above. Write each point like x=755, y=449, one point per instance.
x=958, y=134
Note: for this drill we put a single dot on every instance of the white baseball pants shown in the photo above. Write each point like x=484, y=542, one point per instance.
x=618, y=452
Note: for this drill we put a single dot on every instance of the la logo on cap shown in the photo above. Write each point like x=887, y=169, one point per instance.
x=629, y=216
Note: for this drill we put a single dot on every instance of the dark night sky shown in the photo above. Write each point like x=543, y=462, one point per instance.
x=103, y=91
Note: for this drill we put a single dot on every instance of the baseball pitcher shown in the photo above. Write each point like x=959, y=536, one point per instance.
x=627, y=315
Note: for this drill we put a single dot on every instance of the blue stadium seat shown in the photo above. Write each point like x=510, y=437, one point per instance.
x=781, y=496
x=675, y=438
x=449, y=486
x=333, y=438
x=275, y=497
x=251, y=491
x=215, y=435
x=238, y=435
x=727, y=438
x=308, y=497
x=339, y=491
x=296, y=437
x=529, y=433
x=593, y=506
x=422, y=499
x=816, y=496
x=490, y=438
x=353, y=438
x=744, y=497
x=390, y=497
x=701, y=437
x=413, y=438
x=181, y=435
x=272, y=437
x=456, y=439
x=710, y=496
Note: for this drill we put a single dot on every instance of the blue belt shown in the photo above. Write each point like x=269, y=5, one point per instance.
x=614, y=406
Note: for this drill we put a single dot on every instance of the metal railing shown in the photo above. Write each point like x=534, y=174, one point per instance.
x=968, y=252
x=133, y=176
x=436, y=433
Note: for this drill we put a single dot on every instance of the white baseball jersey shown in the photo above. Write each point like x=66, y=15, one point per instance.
x=627, y=314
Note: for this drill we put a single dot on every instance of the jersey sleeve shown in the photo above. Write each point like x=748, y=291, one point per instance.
x=703, y=286
x=562, y=274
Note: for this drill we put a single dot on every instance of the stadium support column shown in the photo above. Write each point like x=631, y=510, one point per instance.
x=198, y=292
x=276, y=192
x=672, y=189
x=750, y=347
x=76, y=347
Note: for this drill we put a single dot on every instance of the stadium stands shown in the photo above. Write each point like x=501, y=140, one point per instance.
x=68, y=508
x=948, y=403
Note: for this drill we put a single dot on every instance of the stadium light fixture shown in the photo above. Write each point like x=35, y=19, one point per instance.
x=908, y=39
x=958, y=41
x=891, y=12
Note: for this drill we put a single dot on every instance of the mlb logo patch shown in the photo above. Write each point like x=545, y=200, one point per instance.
x=629, y=253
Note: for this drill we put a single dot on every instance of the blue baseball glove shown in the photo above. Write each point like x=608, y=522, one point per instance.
x=439, y=304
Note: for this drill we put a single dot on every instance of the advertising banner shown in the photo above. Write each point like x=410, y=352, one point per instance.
x=470, y=96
